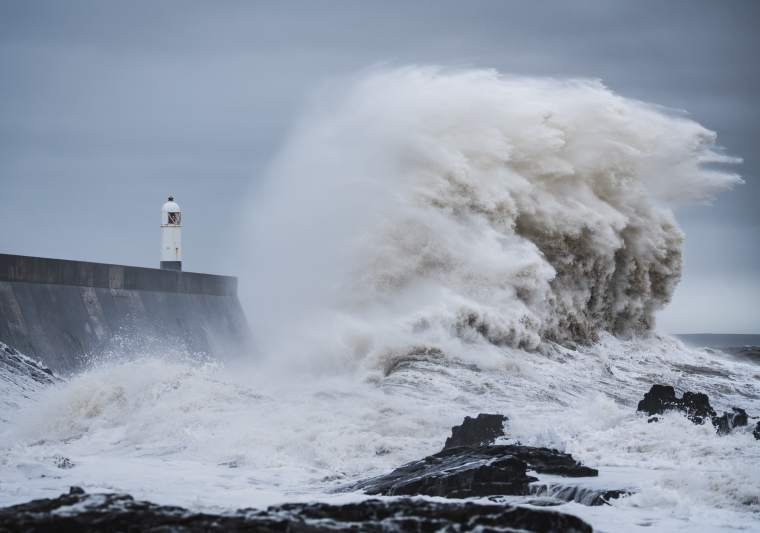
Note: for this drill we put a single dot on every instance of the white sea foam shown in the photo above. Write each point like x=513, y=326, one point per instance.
x=459, y=208
x=433, y=244
x=226, y=436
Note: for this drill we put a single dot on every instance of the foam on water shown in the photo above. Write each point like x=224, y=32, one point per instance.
x=461, y=208
x=232, y=436
x=429, y=245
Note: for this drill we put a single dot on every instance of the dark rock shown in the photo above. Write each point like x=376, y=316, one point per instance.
x=77, y=511
x=661, y=398
x=574, y=493
x=756, y=432
x=464, y=472
x=477, y=431
x=457, y=473
x=549, y=461
x=696, y=405
x=728, y=421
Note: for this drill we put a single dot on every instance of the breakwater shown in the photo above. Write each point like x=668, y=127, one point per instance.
x=65, y=313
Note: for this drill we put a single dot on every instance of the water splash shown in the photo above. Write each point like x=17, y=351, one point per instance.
x=420, y=206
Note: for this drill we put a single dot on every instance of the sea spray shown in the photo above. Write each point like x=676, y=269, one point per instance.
x=233, y=436
x=427, y=209
x=419, y=229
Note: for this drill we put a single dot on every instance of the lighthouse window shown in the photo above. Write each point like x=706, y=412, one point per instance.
x=174, y=218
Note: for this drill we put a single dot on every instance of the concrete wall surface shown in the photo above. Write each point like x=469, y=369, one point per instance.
x=70, y=313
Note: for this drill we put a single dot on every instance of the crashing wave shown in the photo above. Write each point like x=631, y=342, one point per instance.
x=430, y=205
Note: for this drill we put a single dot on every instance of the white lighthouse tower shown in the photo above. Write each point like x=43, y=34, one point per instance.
x=171, y=243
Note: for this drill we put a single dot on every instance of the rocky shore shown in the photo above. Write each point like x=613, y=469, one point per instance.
x=470, y=465
x=696, y=406
x=79, y=511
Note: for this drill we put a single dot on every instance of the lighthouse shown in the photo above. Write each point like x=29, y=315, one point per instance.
x=171, y=228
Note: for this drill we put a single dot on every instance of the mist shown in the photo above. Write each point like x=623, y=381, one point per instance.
x=457, y=209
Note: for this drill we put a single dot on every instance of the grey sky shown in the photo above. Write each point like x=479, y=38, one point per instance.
x=105, y=107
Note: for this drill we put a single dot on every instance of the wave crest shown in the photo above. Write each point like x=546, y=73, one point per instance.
x=473, y=207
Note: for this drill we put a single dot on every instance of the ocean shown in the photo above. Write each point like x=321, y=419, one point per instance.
x=429, y=245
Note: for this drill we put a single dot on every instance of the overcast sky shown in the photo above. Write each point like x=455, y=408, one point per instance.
x=105, y=107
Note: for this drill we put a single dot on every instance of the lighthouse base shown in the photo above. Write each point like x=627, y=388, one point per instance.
x=171, y=265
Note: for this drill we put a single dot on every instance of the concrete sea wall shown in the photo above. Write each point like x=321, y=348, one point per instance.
x=67, y=313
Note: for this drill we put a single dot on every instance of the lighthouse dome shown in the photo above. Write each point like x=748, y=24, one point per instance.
x=171, y=213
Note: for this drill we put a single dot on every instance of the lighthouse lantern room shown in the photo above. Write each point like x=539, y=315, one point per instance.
x=171, y=244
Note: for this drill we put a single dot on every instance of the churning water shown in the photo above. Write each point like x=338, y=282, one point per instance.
x=432, y=244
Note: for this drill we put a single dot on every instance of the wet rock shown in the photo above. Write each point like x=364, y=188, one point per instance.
x=468, y=467
x=696, y=405
x=661, y=398
x=464, y=472
x=756, y=432
x=728, y=421
x=476, y=431
x=549, y=461
x=456, y=473
x=579, y=494
x=78, y=511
